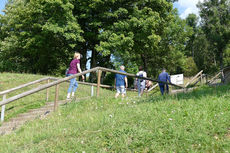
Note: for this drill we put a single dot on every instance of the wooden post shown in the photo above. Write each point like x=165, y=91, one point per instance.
x=201, y=79
x=91, y=91
x=98, y=81
x=47, y=91
x=3, y=109
x=56, y=98
x=222, y=77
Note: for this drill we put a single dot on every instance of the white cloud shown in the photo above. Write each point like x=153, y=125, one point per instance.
x=188, y=6
x=189, y=11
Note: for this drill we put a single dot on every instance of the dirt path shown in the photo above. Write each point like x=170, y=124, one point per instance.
x=21, y=119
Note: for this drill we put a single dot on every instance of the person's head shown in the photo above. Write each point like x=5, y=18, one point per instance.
x=163, y=70
x=77, y=55
x=140, y=68
x=122, y=67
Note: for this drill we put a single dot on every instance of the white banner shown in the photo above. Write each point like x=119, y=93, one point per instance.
x=177, y=79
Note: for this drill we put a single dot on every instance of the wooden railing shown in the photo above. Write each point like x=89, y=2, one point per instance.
x=196, y=77
x=58, y=81
x=214, y=78
x=4, y=93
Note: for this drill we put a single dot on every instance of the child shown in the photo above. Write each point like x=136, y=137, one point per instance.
x=141, y=82
x=74, y=68
x=121, y=83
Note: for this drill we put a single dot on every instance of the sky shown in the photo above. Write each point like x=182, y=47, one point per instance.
x=2, y=5
x=186, y=7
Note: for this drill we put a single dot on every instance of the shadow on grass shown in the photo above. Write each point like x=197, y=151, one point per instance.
x=203, y=91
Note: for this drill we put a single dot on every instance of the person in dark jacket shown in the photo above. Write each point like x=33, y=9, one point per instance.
x=164, y=77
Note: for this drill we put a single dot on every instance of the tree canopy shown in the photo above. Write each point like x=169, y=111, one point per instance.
x=40, y=36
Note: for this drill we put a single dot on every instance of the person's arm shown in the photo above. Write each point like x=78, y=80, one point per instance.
x=168, y=78
x=79, y=70
x=137, y=75
x=126, y=82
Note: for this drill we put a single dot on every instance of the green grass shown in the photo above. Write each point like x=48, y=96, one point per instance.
x=11, y=80
x=194, y=122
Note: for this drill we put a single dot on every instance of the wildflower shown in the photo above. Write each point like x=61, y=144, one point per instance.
x=110, y=115
x=170, y=119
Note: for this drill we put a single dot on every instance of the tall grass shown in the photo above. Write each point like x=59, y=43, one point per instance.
x=193, y=122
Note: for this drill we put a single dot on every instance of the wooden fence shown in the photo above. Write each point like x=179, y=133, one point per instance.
x=57, y=82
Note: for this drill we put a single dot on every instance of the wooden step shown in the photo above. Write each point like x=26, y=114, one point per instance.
x=28, y=117
x=17, y=122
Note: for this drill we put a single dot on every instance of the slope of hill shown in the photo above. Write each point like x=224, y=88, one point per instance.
x=11, y=80
x=195, y=122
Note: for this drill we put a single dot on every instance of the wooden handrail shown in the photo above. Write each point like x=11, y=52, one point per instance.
x=3, y=102
x=153, y=87
x=22, y=86
x=85, y=83
x=211, y=80
x=195, y=77
x=11, y=99
x=135, y=76
x=93, y=84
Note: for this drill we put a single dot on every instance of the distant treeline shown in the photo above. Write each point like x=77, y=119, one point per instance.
x=40, y=36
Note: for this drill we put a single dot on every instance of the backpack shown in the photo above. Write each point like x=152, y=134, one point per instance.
x=141, y=75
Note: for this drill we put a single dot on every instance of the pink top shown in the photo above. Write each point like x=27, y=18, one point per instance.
x=73, y=66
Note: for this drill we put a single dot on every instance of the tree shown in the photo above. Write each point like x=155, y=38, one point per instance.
x=191, y=21
x=110, y=26
x=204, y=57
x=38, y=35
x=215, y=22
x=149, y=37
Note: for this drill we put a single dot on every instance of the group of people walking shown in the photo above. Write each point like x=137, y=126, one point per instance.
x=121, y=81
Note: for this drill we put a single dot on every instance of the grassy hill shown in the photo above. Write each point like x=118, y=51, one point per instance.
x=195, y=122
x=11, y=80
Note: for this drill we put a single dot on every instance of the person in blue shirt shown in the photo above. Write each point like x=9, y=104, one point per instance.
x=164, y=76
x=121, y=83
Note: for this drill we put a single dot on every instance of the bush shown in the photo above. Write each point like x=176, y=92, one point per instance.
x=190, y=68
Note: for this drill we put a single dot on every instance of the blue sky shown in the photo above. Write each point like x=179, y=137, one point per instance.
x=184, y=7
x=2, y=5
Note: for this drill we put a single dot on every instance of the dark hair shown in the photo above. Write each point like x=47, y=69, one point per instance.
x=163, y=69
x=140, y=68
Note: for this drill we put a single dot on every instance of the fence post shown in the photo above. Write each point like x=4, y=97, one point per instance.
x=56, y=98
x=98, y=81
x=91, y=91
x=3, y=109
x=47, y=91
x=201, y=79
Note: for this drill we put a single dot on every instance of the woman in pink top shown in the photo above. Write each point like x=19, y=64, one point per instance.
x=74, y=68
